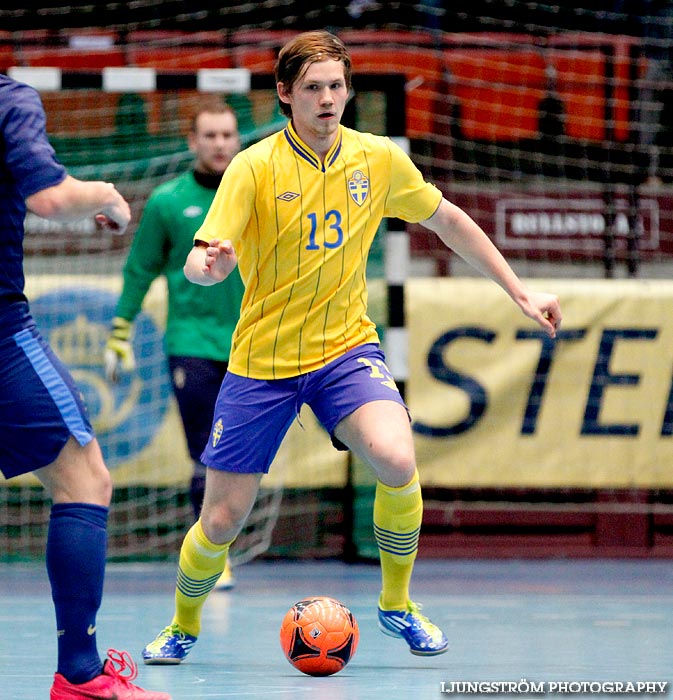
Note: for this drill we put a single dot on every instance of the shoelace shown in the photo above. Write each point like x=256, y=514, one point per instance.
x=431, y=628
x=163, y=637
x=122, y=665
x=415, y=609
x=172, y=631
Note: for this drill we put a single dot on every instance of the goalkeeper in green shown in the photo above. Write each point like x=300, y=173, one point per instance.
x=200, y=320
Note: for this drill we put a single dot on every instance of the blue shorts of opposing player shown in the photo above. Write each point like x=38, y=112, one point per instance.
x=252, y=416
x=40, y=406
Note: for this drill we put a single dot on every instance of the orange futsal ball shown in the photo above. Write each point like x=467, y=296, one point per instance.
x=319, y=635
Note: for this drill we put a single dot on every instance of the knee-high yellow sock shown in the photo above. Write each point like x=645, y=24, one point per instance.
x=398, y=513
x=200, y=566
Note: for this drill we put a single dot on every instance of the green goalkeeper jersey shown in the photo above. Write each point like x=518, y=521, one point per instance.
x=200, y=320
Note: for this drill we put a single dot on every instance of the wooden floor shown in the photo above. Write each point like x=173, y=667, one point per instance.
x=542, y=621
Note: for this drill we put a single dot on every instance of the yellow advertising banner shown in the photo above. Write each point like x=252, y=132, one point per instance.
x=497, y=404
x=494, y=402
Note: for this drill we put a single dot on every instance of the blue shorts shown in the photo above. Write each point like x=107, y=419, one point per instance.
x=40, y=406
x=252, y=416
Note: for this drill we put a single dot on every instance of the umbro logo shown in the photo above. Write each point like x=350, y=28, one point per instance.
x=287, y=196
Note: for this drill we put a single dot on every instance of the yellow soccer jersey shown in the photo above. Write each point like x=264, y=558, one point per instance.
x=302, y=232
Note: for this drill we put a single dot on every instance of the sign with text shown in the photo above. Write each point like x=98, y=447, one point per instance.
x=572, y=223
x=496, y=403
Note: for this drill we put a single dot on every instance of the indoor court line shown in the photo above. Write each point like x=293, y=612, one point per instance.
x=514, y=621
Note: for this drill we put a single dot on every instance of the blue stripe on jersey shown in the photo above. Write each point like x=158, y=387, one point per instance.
x=337, y=150
x=57, y=388
x=308, y=156
x=301, y=151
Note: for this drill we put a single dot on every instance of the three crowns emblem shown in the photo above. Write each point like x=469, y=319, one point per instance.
x=358, y=187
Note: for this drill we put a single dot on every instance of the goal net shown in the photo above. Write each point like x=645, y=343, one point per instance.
x=548, y=123
x=128, y=125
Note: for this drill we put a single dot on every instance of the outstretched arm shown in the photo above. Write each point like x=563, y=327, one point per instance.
x=208, y=264
x=460, y=233
x=73, y=199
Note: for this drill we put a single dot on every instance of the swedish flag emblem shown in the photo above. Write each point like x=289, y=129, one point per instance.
x=358, y=186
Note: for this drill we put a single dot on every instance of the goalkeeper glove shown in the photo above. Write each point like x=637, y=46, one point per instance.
x=118, y=350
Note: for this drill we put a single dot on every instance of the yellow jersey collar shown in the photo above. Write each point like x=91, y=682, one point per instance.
x=301, y=149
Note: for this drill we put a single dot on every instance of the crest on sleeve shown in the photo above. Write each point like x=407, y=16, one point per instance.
x=358, y=187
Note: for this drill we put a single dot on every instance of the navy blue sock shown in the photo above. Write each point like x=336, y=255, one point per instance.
x=76, y=551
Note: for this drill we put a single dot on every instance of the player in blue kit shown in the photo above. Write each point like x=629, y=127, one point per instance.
x=44, y=426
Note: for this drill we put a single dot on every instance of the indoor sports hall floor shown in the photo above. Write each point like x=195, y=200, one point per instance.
x=542, y=622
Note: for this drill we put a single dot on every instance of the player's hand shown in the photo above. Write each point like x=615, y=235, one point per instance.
x=220, y=259
x=118, y=350
x=545, y=309
x=210, y=263
x=116, y=216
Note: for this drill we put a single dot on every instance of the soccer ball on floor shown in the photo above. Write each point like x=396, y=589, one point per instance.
x=319, y=635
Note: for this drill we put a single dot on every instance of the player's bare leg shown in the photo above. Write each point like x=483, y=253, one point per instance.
x=78, y=475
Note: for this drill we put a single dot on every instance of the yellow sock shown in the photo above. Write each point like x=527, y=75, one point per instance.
x=398, y=513
x=201, y=563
